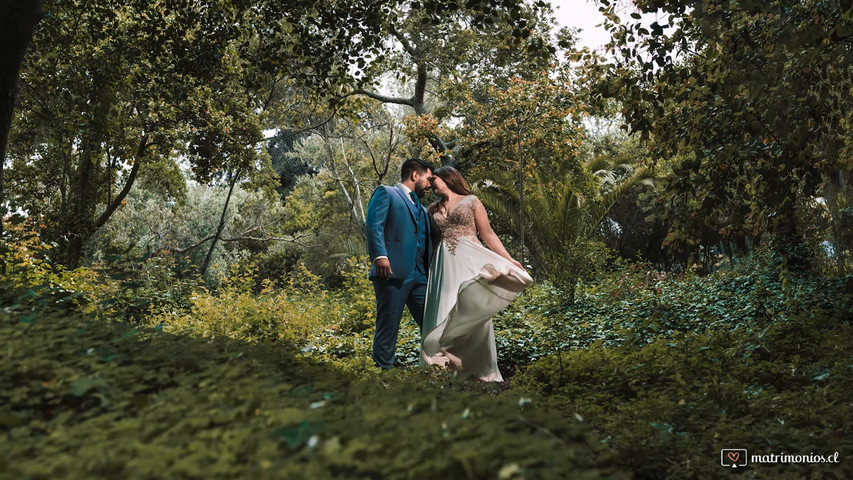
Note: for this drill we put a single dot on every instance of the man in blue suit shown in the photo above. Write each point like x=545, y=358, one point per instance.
x=398, y=239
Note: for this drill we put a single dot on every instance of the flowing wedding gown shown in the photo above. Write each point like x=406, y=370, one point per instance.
x=467, y=285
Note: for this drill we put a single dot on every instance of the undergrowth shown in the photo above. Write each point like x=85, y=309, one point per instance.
x=80, y=398
x=644, y=376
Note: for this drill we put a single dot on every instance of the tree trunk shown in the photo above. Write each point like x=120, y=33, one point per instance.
x=790, y=242
x=17, y=24
x=112, y=205
x=354, y=200
x=78, y=228
x=221, y=225
x=521, y=219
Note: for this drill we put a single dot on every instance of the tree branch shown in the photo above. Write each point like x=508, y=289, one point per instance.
x=221, y=225
x=263, y=239
x=407, y=46
x=385, y=98
x=420, y=90
x=242, y=237
x=140, y=150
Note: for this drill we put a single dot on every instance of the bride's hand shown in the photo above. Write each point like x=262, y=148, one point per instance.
x=516, y=263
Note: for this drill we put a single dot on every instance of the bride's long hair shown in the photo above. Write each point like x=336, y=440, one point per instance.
x=455, y=182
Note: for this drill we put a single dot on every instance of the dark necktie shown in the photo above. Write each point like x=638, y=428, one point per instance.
x=417, y=204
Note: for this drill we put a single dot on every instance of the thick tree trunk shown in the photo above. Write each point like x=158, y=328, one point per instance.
x=18, y=20
x=78, y=227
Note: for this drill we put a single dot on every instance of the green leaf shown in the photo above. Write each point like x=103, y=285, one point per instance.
x=664, y=427
x=130, y=333
x=298, y=435
x=80, y=386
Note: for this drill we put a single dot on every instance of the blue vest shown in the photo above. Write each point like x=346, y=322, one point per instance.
x=420, y=259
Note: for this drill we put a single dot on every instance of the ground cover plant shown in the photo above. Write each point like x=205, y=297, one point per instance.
x=82, y=398
x=636, y=379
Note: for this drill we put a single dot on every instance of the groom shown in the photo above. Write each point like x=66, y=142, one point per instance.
x=398, y=239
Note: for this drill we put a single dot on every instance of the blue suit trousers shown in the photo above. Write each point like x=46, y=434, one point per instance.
x=391, y=296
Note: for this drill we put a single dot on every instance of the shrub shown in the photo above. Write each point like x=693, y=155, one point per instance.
x=273, y=315
x=28, y=270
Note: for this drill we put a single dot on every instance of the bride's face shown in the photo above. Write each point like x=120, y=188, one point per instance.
x=438, y=186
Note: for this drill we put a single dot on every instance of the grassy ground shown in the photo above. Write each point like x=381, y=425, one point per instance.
x=84, y=399
x=637, y=380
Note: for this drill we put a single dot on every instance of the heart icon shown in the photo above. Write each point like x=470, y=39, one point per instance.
x=734, y=456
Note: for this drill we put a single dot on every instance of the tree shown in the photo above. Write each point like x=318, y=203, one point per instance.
x=136, y=83
x=560, y=221
x=357, y=151
x=123, y=98
x=444, y=51
x=634, y=226
x=526, y=143
x=150, y=227
x=753, y=96
x=17, y=24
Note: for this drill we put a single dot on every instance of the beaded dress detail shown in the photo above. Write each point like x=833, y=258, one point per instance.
x=458, y=223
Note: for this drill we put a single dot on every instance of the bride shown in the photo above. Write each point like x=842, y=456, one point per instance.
x=467, y=283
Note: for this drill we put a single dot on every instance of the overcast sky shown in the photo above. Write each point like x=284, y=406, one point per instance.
x=582, y=14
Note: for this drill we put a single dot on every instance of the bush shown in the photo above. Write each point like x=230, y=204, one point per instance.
x=30, y=275
x=672, y=370
x=137, y=290
x=290, y=316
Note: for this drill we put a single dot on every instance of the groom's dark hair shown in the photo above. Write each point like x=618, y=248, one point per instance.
x=411, y=165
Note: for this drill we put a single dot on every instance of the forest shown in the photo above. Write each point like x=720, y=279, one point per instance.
x=184, y=190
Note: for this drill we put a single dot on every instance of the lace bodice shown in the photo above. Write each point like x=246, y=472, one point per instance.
x=458, y=222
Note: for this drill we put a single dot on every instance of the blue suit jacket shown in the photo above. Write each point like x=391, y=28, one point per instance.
x=392, y=230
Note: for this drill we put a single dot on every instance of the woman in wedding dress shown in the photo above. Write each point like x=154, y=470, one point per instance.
x=467, y=283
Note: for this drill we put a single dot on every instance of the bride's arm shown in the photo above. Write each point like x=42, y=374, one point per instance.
x=481, y=218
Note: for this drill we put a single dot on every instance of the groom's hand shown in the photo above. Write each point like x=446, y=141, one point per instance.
x=383, y=267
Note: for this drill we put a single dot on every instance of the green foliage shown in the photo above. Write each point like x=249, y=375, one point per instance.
x=671, y=370
x=356, y=297
x=235, y=311
x=559, y=221
x=150, y=404
x=639, y=305
x=662, y=369
x=754, y=96
x=121, y=101
x=30, y=273
x=135, y=289
x=151, y=229
x=667, y=408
